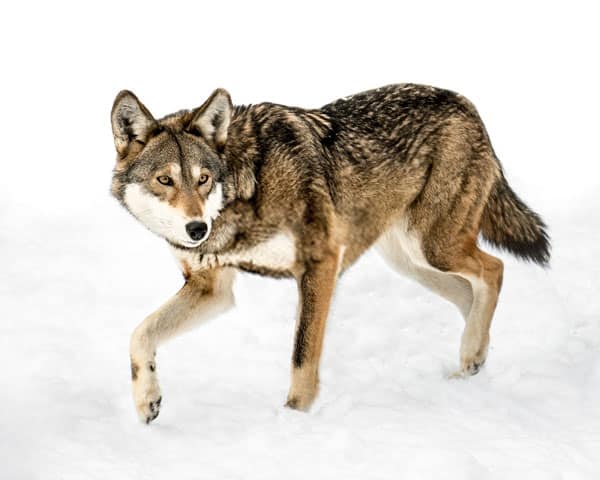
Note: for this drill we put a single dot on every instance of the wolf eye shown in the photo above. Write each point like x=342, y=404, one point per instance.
x=165, y=180
x=203, y=179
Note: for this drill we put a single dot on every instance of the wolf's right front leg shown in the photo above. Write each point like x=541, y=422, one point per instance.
x=205, y=294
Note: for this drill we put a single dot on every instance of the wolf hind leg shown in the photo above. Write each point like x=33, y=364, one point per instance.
x=462, y=257
x=484, y=272
x=458, y=271
x=445, y=221
x=403, y=254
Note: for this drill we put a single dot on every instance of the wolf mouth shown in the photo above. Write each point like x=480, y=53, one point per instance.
x=185, y=245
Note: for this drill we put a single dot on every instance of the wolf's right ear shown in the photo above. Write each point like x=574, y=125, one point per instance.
x=131, y=121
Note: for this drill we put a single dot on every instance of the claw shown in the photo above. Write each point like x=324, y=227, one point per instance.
x=150, y=418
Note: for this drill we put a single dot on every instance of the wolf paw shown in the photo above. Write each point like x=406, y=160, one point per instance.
x=151, y=410
x=296, y=404
x=468, y=369
x=301, y=402
x=147, y=398
x=303, y=389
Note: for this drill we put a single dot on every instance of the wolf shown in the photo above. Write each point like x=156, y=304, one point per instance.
x=302, y=193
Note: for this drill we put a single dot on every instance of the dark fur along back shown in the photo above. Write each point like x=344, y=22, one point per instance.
x=509, y=224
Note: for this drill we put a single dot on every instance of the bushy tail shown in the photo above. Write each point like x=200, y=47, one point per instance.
x=509, y=224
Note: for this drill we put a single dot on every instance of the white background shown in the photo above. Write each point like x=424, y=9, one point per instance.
x=77, y=273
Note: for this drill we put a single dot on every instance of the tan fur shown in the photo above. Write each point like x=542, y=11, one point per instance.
x=205, y=294
x=484, y=273
x=316, y=286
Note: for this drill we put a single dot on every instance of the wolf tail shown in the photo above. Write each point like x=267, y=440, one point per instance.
x=509, y=224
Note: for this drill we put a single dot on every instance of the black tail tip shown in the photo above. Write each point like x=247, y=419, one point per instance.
x=537, y=251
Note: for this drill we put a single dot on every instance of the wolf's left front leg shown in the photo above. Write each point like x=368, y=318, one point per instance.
x=316, y=286
x=205, y=294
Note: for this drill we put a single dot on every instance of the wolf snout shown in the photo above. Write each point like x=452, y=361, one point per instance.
x=196, y=230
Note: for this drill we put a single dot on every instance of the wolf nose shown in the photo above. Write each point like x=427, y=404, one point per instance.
x=196, y=230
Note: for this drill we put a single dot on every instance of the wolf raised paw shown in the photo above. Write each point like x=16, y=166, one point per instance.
x=147, y=396
x=148, y=407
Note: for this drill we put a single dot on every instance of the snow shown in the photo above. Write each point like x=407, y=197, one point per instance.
x=78, y=273
x=386, y=405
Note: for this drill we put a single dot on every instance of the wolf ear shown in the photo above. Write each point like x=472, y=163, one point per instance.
x=130, y=121
x=212, y=119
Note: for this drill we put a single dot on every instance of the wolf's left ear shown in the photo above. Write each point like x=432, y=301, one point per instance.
x=212, y=119
x=131, y=121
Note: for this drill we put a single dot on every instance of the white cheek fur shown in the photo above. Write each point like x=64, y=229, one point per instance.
x=155, y=214
x=165, y=220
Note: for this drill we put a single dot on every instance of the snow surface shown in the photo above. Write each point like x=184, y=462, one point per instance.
x=77, y=273
x=82, y=284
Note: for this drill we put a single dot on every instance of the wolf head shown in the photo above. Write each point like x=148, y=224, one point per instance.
x=170, y=173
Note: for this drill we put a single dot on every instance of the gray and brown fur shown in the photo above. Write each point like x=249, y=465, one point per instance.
x=407, y=168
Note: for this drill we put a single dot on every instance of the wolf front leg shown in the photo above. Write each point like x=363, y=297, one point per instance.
x=205, y=294
x=316, y=286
